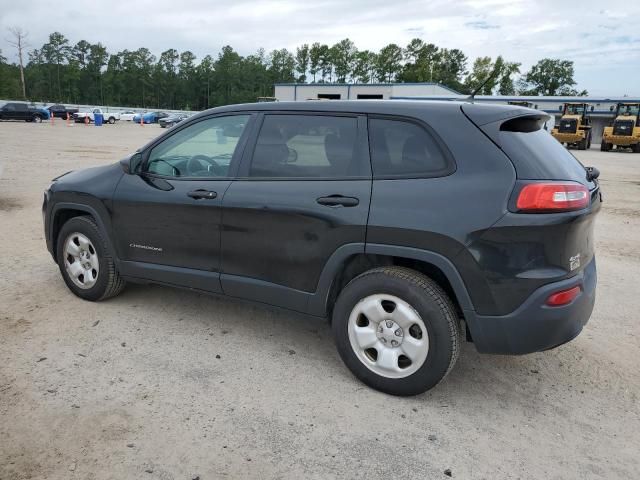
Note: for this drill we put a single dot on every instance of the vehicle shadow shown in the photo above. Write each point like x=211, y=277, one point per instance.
x=254, y=326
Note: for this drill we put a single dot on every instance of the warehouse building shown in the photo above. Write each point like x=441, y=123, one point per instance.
x=601, y=107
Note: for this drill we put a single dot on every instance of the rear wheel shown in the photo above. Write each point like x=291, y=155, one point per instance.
x=396, y=330
x=37, y=119
x=589, y=140
x=112, y=120
x=582, y=144
x=604, y=146
x=636, y=148
x=85, y=261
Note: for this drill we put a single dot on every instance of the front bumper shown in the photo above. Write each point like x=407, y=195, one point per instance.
x=621, y=139
x=534, y=326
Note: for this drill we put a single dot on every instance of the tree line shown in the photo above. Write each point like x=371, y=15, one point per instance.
x=86, y=73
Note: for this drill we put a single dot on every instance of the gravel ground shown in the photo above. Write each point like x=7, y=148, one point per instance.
x=168, y=384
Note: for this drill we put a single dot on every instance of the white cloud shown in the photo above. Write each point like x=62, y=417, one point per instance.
x=603, y=43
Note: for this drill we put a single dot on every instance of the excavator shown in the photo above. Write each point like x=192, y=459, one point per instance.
x=574, y=128
x=624, y=131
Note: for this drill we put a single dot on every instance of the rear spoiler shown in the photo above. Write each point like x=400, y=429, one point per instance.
x=512, y=119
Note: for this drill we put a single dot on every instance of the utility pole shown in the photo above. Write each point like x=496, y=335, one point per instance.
x=19, y=42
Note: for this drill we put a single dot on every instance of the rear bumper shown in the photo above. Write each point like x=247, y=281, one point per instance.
x=534, y=326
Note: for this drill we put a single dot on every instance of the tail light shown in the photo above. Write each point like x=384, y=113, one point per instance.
x=552, y=197
x=564, y=297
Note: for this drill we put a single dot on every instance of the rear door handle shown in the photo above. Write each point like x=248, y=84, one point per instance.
x=338, y=201
x=202, y=194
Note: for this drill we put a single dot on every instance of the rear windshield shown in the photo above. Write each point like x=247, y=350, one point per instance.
x=538, y=156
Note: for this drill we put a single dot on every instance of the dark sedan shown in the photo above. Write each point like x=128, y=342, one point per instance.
x=172, y=120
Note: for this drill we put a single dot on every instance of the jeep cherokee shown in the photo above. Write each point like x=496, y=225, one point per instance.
x=410, y=225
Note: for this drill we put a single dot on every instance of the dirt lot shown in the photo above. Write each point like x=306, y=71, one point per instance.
x=134, y=388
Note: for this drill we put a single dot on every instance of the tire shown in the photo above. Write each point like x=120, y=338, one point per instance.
x=636, y=148
x=589, y=141
x=582, y=144
x=37, y=119
x=103, y=281
x=603, y=146
x=112, y=120
x=402, y=305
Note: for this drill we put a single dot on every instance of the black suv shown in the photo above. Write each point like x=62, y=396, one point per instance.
x=409, y=224
x=22, y=111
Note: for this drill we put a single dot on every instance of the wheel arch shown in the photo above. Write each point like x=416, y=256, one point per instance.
x=63, y=212
x=352, y=262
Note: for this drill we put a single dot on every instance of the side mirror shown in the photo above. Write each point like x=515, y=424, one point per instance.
x=560, y=108
x=131, y=165
x=591, y=109
x=611, y=108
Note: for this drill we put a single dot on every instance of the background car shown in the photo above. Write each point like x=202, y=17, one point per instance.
x=60, y=111
x=22, y=111
x=172, y=120
x=150, y=117
x=128, y=115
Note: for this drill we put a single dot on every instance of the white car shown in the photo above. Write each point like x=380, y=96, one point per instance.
x=108, y=117
x=127, y=115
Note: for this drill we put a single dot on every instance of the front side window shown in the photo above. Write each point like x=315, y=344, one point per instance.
x=307, y=146
x=204, y=149
x=399, y=149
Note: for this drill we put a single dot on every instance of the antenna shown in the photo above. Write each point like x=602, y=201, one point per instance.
x=496, y=69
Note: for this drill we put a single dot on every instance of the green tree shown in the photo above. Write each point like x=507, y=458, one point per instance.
x=344, y=54
x=364, y=66
x=551, y=77
x=315, y=56
x=302, y=62
x=389, y=62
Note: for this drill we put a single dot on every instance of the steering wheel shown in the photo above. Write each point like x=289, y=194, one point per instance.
x=194, y=166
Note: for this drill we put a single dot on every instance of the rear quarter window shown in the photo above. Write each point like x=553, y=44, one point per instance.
x=401, y=149
x=536, y=155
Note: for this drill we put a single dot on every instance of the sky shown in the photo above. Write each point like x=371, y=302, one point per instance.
x=601, y=37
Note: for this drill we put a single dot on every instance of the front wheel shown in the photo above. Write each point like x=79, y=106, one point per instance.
x=396, y=330
x=37, y=119
x=112, y=120
x=85, y=261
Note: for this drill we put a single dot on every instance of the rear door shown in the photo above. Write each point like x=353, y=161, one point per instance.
x=303, y=192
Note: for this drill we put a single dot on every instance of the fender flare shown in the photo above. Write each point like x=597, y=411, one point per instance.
x=318, y=303
x=83, y=208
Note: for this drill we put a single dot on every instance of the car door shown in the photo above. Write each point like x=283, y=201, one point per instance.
x=169, y=213
x=303, y=192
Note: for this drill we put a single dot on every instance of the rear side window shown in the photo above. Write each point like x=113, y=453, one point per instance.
x=536, y=155
x=307, y=146
x=400, y=149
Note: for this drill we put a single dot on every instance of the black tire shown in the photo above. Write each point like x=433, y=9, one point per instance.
x=636, y=148
x=108, y=283
x=432, y=305
x=604, y=146
x=582, y=144
x=112, y=120
x=37, y=119
x=589, y=140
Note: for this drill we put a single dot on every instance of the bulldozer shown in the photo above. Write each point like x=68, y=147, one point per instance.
x=574, y=128
x=624, y=131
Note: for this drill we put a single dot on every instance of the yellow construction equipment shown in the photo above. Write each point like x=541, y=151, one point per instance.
x=574, y=128
x=624, y=132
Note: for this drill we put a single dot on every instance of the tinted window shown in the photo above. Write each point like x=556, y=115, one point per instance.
x=400, y=148
x=203, y=149
x=307, y=146
x=537, y=155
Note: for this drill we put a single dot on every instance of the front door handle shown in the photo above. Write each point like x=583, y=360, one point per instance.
x=338, y=201
x=202, y=194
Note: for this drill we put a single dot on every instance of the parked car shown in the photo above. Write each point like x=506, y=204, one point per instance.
x=22, y=111
x=60, y=111
x=173, y=119
x=127, y=115
x=410, y=225
x=150, y=117
x=108, y=117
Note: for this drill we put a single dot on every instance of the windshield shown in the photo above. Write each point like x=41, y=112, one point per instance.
x=631, y=110
x=574, y=109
